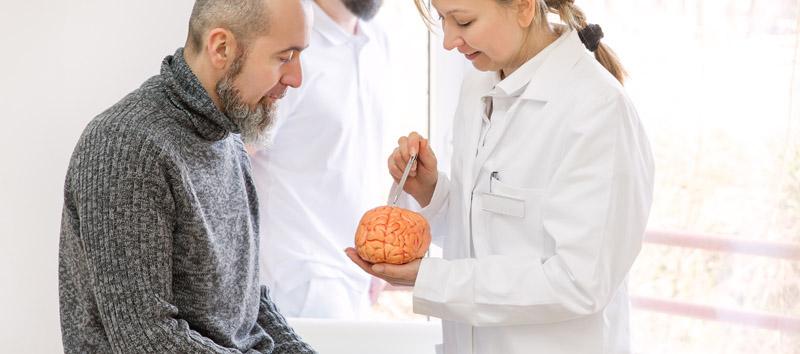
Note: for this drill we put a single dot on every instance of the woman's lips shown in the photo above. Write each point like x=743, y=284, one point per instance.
x=472, y=56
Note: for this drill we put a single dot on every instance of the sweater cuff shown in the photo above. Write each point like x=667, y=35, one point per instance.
x=286, y=339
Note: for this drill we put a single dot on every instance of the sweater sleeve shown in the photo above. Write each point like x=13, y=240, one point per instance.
x=126, y=218
x=286, y=340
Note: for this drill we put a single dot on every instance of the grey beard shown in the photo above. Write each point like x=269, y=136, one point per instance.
x=254, y=123
x=364, y=9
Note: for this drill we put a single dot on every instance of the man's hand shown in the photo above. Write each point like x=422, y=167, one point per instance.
x=397, y=275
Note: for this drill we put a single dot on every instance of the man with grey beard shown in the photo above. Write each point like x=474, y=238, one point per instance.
x=313, y=195
x=159, y=237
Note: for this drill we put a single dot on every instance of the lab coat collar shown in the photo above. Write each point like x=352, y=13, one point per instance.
x=545, y=83
x=514, y=84
x=330, y=30
x=547, y=80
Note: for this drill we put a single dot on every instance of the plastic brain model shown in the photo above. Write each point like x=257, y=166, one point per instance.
x=392, y=235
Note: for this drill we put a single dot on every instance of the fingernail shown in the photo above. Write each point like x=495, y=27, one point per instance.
x=378, y=268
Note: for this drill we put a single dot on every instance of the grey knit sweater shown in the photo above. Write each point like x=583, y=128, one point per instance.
x=159, y=233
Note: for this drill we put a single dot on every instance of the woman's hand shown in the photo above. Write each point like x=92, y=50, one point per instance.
x=397, y=275
x=422, y=179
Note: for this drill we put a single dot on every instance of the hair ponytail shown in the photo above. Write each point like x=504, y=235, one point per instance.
x=574, y=18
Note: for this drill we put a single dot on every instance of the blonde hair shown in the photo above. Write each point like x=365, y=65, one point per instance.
x=571, y=15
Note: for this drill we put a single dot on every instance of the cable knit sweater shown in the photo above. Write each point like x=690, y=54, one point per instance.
x=159, y=233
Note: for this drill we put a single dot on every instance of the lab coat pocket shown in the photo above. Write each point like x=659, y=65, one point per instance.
x=512, y=219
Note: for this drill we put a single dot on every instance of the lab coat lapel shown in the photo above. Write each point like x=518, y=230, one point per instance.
x=490, y=144
x=473, y=136
x=473, y=117
x=543, y=86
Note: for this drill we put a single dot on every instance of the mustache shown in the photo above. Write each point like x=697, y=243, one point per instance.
x=281, y=95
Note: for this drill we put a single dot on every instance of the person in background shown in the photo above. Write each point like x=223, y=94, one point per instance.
x=551, y=187
x=159, y=234
x=318, y=174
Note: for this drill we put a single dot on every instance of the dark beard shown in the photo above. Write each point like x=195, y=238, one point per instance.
x=253, y=122
x=364, y=9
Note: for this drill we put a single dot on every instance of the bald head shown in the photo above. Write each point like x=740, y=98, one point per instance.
x=246, y=19
x=245, y=58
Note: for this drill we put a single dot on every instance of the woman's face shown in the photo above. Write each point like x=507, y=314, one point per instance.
x=487, y=33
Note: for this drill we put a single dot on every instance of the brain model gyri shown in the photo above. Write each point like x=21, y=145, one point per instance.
x=392, y=235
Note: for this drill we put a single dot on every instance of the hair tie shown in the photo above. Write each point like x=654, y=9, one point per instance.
x=590, y=36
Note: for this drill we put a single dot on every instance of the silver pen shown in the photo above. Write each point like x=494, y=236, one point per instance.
x=403, y=179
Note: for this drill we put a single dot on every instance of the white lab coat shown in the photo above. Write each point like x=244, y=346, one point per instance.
x=539, y=263
x=323, y=170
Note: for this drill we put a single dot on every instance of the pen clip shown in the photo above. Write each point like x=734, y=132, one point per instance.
x=493, y=176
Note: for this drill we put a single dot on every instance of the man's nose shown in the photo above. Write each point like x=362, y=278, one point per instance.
x=293, y=76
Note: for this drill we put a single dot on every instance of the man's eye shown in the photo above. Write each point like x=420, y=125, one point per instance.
x=288, y=58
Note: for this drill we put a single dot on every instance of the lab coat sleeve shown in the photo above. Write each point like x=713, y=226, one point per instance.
x=435, y=212
x=595, y=211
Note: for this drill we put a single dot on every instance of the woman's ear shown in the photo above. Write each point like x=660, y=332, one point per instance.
x=526, y=12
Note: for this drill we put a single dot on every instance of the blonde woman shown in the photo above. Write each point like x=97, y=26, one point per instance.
x=551, y=187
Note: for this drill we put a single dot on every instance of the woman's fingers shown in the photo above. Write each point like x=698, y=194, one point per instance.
x=402, y=144
x=413, y=143
x=423, y=151
x=394, y=168
x=401, y=274
x=426, y=158
x=353, y=255
x=368, y=267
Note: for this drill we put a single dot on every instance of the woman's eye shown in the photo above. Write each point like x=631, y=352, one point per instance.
x=464, y=24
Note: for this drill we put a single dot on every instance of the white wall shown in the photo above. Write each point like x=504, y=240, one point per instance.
x=62, y=62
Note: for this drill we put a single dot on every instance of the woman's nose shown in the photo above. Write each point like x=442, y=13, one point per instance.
x=452, y=42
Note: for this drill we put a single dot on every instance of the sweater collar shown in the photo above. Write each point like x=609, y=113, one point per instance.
x=188, y=94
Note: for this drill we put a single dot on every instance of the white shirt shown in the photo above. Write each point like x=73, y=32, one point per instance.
x=544, y=223
x=321, y=172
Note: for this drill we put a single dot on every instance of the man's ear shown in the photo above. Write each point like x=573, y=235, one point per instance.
x=220, y=47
